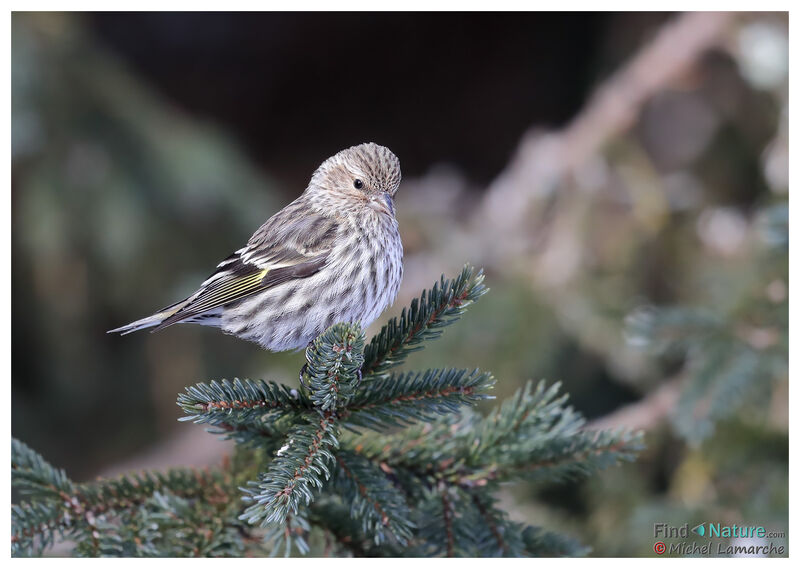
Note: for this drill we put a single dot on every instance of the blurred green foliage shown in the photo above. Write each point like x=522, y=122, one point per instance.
x=119, y=205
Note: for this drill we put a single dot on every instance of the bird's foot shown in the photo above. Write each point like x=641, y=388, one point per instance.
x=304, y=369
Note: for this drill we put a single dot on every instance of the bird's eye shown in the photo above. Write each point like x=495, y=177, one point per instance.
x=358, y=184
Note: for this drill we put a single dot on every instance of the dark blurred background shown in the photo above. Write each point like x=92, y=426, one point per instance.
x=434, y=87
x=147, y=147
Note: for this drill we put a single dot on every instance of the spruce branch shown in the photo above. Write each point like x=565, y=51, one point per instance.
x=33, y=476
x=300, y=468
x=238, y=402
x=533, y=435
x=536, y=409
x=166, y=524
x=542, y=543
x=423, y=320
x=333, y=363
x=448, y=523
x=536, y=435
x=496, y=536
x=65, y=508
x=481, y=529
x=34, y=527
x=257, y=434
x=412, y=454
x=424, y=488
x=494, y=523
x=458, y=522
x=401, y=399
x=346, y=533
x=373, y=499
x=562, y=458
x=727, y=357
x=292, y=535
x=447, y=519
x=130, y=490
x=734, y=351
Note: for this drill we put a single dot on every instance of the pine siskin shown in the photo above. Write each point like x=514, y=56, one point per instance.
x=332, y=255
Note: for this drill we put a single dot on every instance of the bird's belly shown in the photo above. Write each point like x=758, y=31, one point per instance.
x=355, y=287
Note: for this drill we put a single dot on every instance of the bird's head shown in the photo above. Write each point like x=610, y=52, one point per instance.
x=364, y=175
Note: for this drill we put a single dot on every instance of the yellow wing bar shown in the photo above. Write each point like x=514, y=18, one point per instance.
x=227, y=290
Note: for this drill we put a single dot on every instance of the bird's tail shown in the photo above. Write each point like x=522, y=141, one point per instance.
x=154, y=320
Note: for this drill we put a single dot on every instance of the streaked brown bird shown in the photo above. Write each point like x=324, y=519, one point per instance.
x=332, y=255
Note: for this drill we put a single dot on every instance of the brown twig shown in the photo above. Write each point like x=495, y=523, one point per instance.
x=325, y=423
x=364, y=491
x=430, y=394
x=541, y=160
x=486, y=515
x=448, y=523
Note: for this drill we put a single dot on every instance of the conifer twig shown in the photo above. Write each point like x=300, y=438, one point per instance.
x=448, y=524
x=423, y=320
x=301, y=466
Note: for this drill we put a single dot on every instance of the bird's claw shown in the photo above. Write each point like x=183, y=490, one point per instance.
x=303, y=371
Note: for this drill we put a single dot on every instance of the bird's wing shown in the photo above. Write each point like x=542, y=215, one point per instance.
x=293, y=244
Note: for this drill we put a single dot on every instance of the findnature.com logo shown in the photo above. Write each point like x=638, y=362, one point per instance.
x=746, y=540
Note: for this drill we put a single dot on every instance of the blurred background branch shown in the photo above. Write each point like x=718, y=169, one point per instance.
x=542, y=160
x=647, y=413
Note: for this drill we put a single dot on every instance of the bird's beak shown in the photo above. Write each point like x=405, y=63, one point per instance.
x=382, y=203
